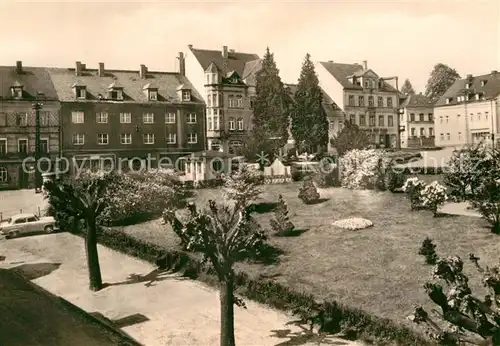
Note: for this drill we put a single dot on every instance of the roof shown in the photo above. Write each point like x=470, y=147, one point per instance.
x=490, y=90
x=32, y=316
x=33, y=79
x=129, y=80
x=330, y=107
x=417, y=101
x=341, y=72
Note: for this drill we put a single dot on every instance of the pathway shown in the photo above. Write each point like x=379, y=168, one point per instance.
x=166, y=309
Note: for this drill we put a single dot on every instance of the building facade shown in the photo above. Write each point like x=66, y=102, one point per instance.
x=417, y=122
x=226, y=80
x=20, y=88
x=367, y=100
x=468, y=112
x=127, y=118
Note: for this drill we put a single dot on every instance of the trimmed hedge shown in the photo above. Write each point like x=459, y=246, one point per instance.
x=336, y=317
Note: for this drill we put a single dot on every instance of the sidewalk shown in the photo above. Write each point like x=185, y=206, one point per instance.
x=459, y=209
x=171, y=311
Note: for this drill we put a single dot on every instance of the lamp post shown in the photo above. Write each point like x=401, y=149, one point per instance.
x=37, y=106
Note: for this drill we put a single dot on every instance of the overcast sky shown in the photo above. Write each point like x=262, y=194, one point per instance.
x=403, y=38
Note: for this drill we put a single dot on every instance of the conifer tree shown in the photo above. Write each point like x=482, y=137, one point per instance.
x=271, y=104
x=281, y=224
x=309, y=121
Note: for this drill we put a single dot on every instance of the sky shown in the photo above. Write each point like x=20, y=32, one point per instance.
x=397, y=38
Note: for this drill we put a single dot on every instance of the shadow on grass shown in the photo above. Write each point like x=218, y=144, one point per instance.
x=267, y=255
x=130, y=320
x=32, y=271
x=263, y=207
x=319, y=201
x=441, y=215
x=303, y=337
x=293, y=233
x=150, y=279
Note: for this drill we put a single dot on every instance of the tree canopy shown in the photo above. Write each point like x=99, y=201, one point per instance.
x=441, y=79
x=407, y=87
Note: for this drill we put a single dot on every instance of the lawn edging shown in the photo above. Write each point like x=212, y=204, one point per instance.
x=334, y=317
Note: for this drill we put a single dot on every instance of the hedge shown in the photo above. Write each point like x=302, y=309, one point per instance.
x=429, y=170
x=355, y=323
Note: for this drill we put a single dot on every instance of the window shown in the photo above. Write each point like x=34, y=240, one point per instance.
x=448, y=136
x=22, y=119
x=239, y=101
x=390, y=120
x=102, y=118
x=478, y=116
x=77, y=117
x=380, y=101
x=362, y=120
x=116, y=94
x=170, y=118
x=331, y=125
x=251, y=104
x=431, y=117
x=153, y=95
x=148, y=138
x=412, y=117
x=231, y=101
x=32, y=219
x=232, y=125
x=422, y=132
x=413, y=132
x=126, y=138
x=216, y=122
x=366, y=84
x=351, y=100
x=209, y=100
x=148, y=118
x=191, y=118
x=441, y=136
x=3, y=146
x=17, y=93
x=431, y=132
x=214, y=78
x=102, y=138
x=78, y=138
x=171, y=138
x=389, y=102
x=459, y=135
x=352, y=118
x=215, y=100
x=371, y=102
x=421, y=117
x=44, y=145
x=361, y=101
x=192, y=138
x=381, y=120
x=441, y=119
x=22, y=145
x=240, y=124
x=125, y=118
x=4, y=175
x=372, y=120
x=44, y=118
x=81, y=93
x=447, y=119
x=21, y=220
x=186, y=95
x=210, y=123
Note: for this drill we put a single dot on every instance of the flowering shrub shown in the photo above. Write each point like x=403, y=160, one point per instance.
x=487, y=201
x=363, y=169
x=412, y=187
x=353, y=224
x=433, y=196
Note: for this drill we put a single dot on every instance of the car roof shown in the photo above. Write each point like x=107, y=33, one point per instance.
x=20, y=216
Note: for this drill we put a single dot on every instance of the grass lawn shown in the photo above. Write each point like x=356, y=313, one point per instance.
x=376, y=269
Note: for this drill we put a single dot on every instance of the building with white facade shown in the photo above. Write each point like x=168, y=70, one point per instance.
x=417, y=121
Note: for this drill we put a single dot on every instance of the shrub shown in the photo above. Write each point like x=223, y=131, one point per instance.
x=308, y=192
x=487, y=201
x=433, y=196
x=297, y=174
x=413, y=188
x=281, y=224
x=363, y=169
x=394, y=179
x=428, y=249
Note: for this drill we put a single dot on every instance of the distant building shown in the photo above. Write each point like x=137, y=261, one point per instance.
x=226, y=80
x=468, y=112
x=20, y=88
x=417, y=120
x=126, y=115
x=366, y=99
x=333, y=112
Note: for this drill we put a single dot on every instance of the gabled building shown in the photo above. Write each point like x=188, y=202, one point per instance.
x=20, y=88
x=468, y=112
x=366, y=99
x=124, y=117
x=417, y=121
x=226, y=80
x=333, y=113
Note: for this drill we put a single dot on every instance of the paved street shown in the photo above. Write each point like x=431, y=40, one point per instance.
x=27, y=201
x=174, y=311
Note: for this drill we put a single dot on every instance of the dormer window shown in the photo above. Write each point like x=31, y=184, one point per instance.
x=17, y=90
x=186, y=95
x=115, y=91
x=483, y=83
x=477, y=97
x=153, y=95
x=449, y=100
x=468, y=85
x=81, y=93
x=151, y=92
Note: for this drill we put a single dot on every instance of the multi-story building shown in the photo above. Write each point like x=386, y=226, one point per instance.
x=226, y=80
x=366, y=99
x=333, y=113
x=468, y=112
x=20, y=88
x=122, y=117
x=417, y=121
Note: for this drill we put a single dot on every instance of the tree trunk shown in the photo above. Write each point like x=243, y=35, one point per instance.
x=227, y=313
x=95, y=280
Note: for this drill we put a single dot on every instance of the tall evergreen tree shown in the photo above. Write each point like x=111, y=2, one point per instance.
x=407, y=87
x=309, y=121
x=271, y=105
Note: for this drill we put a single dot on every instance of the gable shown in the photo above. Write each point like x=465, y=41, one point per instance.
x=370, y=74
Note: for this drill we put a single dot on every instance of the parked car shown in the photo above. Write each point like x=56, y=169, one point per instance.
x=27, y=223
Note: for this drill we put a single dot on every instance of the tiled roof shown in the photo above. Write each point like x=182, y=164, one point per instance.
x=329, y=105
x=133, y=86
x=489, y=91
x=417, y=100
x=33, y=80
x=235, y=61
x=341, y=71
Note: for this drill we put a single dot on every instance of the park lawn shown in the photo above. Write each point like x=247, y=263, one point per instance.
x=375, y=269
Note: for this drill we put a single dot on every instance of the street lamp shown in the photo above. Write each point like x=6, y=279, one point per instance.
x=37, y=106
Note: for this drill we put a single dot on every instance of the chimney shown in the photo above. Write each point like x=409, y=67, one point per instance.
x=365, y=65
x=494, y=72
x=78, y=69
x=19, y=67
x=182, y=66
x=101, y=69
x=224, y=52
x=143, y=72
